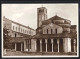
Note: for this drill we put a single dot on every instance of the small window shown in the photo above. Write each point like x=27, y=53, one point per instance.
x=29, y=32
x=21, y=30
x=25, y=31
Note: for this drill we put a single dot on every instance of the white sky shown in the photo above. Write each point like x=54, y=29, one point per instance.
x=26, y=14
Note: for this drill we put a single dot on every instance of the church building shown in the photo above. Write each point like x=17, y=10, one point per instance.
x=55, y=34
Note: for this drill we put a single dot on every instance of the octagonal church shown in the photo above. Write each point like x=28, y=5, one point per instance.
x=55, y=34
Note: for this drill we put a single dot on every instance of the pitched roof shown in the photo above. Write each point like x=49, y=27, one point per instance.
x=46, y=36
x=56, y=18
x=50, y=20
x=18, y=23
x=39, y=36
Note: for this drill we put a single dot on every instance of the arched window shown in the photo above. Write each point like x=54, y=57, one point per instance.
x=56, y=31
x=13, y=27
x=51, y=31
x=16, y=28
x=47, y=31
x=21, y=30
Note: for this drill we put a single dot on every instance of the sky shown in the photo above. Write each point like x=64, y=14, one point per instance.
x=26, y=14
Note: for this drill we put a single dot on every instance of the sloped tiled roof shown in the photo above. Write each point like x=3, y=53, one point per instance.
x=38, y=36
x=18, y=23
x=56, y=18
x=51, y=19
x=46, y=36
x=17, y=39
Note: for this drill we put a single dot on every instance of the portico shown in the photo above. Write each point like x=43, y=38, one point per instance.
x=52, y=45
x=46, y=44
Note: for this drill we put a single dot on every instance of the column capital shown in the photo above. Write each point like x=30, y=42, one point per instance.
x=35, y=39
x=74, y=41
x=52, y=41
x=40, y=40
x=57, y=41
x=46, y=40
x=52, y=38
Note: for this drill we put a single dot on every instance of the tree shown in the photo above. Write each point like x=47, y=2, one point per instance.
x=6, y=39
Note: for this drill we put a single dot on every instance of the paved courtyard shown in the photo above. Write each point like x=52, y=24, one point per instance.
x=18, y=53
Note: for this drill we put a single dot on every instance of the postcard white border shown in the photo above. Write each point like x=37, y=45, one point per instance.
x=62, y=56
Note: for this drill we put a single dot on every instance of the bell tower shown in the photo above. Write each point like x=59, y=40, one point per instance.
x=41, y=16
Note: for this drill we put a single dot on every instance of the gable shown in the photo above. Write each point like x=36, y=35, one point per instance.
x=51, y=25
x=51, y=29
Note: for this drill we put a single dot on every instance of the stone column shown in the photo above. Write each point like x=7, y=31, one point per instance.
x=52, y=44
x=40, y=45
x=15, y=46
x=35, y=45
x=27, y=45
x=21, y=46
x=24, y=45
x=58, y=44
x=74, y=45
x=69, y=44
x=46, y=44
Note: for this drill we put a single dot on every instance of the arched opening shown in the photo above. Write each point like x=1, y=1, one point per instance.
x=38, y=45
x=51, y=31
x=47, y=31
x=61, y=45
x=49, y=45
x=15, y=34
x=43, y=45
x=55, y=49
x=56, y=31
x=72, y=45
x=18, y=47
